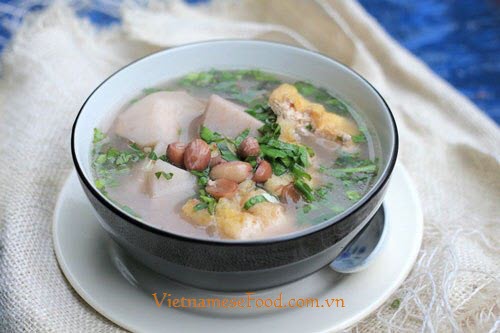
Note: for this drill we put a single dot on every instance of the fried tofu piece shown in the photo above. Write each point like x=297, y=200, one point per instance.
x=288, y=130
x=234, y=223
x=288, y=103
x=331, y=125
x=275, y=184
x=269, y=213
x=199, y=217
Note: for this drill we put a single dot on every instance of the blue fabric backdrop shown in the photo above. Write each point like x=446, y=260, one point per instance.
x=458, y=39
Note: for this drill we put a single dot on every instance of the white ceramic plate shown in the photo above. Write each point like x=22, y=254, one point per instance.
x=120, y=289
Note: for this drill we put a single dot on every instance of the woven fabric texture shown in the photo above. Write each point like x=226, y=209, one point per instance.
x=450, y=148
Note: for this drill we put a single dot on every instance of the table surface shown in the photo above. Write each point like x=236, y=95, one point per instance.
x=458, y=39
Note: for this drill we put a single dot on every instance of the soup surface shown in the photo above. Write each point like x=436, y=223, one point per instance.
x=240, y=154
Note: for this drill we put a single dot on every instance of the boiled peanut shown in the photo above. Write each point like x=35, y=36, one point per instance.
x=235, y=170
x=249, y=147
x=289, y=194
x=175, y=153
x=222, y=188
x=263, y=173
x=197, y=155
x=216, y=160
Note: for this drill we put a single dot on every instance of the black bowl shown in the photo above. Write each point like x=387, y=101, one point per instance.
x=234, y=265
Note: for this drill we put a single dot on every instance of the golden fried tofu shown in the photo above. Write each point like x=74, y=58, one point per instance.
x=246, y=186
x=234, y=223
x=288, y=103
x=288, y=130
x=270, y=213
x=201, y=217
x=275, y=184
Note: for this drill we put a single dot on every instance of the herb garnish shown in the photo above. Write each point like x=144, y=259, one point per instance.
x=166, y=175
x=227, y=150
x=253, y=201
x=109, y=162
x=207, y=201
x=98, y=135
x=320, y=95
x=152, y=156
x=353, y=195
x=227, y=147
x=359, y=138
x=286, y=157
x=210, y=136
x=242, y=136
x=227, y=83
x=262, y=112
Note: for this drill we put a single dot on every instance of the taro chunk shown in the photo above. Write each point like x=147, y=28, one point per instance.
x=228, y=118
x=180, y=186
x=159, y=117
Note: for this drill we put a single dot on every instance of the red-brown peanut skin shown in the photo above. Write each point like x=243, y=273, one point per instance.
x=197, y=155
x=236, y=171
x=263, y=172
x=222, y=188
x=175, y=153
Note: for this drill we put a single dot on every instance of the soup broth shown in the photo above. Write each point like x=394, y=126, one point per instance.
x=240, y=154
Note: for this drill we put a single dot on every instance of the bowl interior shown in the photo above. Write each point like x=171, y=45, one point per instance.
x=106, y=100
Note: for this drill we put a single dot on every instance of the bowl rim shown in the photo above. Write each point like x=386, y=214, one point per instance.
x=365, y=199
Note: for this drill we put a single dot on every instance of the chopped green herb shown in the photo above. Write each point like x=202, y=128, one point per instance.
x=321, y=192
x=337, y=209
x=226, y=83
x=278, y=168
x=395, y=304
x=163, y=158
x=304, y=189
x=359, y=138
x=109, y=162
x=272, y=153
x=206, y=199
x=98, y=135
x=148, y=91
x=164, y=174
x=229, y=87
x=209, y=201
x=200, y=206
x=299, y=172
x=321, y=96
x=152, y=156
x=202, y=181
x=253, y=201
x=209, y=136
x=307, y=208
x=99, y=183
x=242, y=136
x=252, y=160
x=351, y=169
x=262, y=112
x=227, y=150
x=353, y=195
x=101, y=158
